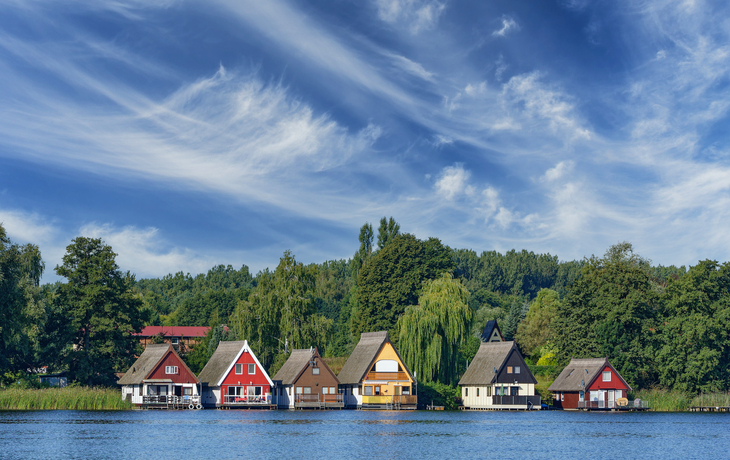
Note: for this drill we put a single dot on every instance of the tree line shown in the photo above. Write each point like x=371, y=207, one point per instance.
x=660, y=326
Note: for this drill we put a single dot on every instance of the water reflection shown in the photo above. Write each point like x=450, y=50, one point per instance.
x=358, y=434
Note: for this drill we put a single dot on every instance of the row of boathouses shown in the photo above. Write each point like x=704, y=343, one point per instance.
x=374, y=377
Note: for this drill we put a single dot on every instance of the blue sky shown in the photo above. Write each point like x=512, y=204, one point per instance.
x=188, y=134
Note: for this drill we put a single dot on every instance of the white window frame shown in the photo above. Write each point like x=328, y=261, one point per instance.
x=239, y=369
x=315, y=371
x=517, y=369
x=251, y=369
x=325, y=390
x=171, y=370
x=606, y=376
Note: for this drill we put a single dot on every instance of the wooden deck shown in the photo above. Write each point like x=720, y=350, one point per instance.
x=709, y=409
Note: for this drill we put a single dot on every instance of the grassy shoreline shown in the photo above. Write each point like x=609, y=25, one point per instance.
x=661, y=400
x=69, y=398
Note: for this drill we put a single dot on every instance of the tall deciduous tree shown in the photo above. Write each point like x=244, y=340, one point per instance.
x=392, y=280
x=280, y=314
x=610, y=311
x=695, y=342
x=534, y=332
x=388, y=230
x=21, y=303
x=432, y=331
x=103, y=309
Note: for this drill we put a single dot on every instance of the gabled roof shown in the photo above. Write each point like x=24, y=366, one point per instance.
x=487, y=363
x=174, y=331
x=297, y=363
x=221, y=363
x=579, y=374
x=362, y=357
x=148, y=362
x=489, y=329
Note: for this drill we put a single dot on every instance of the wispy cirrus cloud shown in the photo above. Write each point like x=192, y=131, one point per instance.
x=508, y=25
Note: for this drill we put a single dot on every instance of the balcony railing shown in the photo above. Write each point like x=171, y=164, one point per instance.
x=170, y=399
x=635, y=404
x=387, y=376
x=398, y=399
x=233, y=400
x=506, y=400
x=317, y=398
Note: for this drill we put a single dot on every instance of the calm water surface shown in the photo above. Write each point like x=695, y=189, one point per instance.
x=359, y=434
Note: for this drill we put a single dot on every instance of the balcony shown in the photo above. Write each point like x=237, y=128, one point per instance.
x=527, y=401
x=167, y=401
x=318, y=401
x=405, y=400
x=630, y=405
x=387, y=376
x=243, y=400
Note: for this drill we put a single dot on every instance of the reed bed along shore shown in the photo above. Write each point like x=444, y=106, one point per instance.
x=69, y=398
x=676, y=401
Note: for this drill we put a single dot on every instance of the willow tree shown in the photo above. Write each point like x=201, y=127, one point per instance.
x=431, y=332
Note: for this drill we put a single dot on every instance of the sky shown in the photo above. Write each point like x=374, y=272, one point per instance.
x=188, y=134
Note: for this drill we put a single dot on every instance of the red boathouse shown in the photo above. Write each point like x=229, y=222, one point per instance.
x=589, y=384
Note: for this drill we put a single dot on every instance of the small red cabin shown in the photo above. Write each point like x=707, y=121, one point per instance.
x=233, y=377
x=160, y=377
x=589, y=384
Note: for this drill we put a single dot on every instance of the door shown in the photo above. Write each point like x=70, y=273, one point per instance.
x=611, y=399
x=601, y=399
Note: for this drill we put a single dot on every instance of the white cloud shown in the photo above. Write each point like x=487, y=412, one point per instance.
x=452, y=181
x=23, y=227
x=418, y=15
x=543, y=102
x=508, y=24
x=558, y=171
x=141, y=251
x=410, y=67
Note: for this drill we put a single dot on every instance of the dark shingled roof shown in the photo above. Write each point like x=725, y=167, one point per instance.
x=293, y=366
x=359, y=362
x=145, y=364
x=581, y=371
x=221, y=360
x=491, y=356
x=488, y=329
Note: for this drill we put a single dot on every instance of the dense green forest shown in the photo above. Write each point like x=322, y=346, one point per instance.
x=660, y=326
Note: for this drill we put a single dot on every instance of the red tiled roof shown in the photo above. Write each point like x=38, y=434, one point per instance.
x=174, y=331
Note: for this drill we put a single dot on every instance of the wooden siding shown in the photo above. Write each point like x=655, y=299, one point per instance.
x=259, y=379
x=515, y=359
x=614, y=384
x=183, y=376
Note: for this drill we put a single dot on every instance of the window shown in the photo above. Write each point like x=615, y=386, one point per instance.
x=509, y=369
x=299, y=390
x=562, y=396
x=325, y=391
x=187, y=391
x=315, y=371
x=489, y=391
x=239, y=369
x=581, y=396
x=332, y=390
x=514, y=391
x=377, y=390
x=406, y=390
x=606, y=376
x=368, y=391
x=517, y=369
x=307, y=390
x=466, y=392
x=175, y=340
x=251, y=369
x=477, y=392
x=170, y=369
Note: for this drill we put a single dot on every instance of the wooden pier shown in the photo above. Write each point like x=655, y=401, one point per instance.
x=709, y=409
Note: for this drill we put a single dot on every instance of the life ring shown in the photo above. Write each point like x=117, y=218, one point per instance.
x=191, y=406
x=198, y=406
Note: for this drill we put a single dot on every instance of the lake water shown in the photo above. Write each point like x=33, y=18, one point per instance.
x=360, y=434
